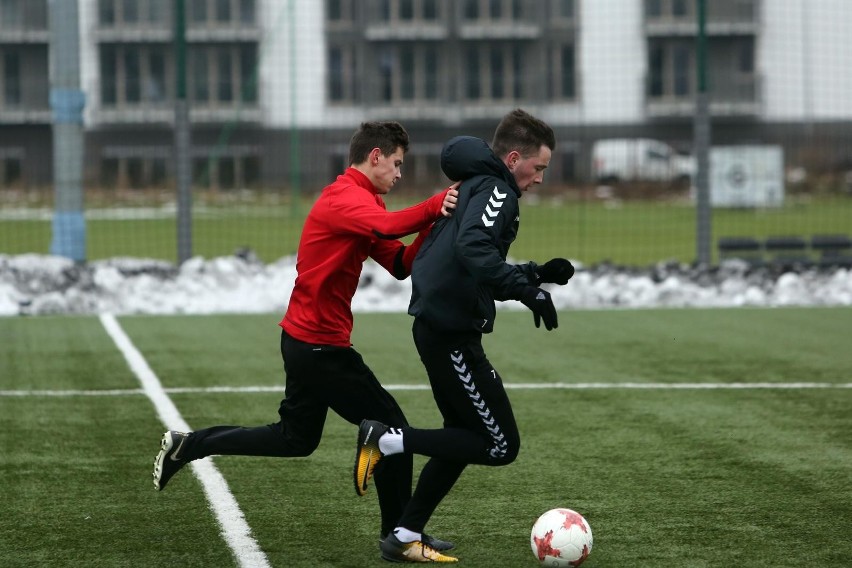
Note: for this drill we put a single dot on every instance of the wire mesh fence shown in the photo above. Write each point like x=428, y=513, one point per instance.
x=275, y=89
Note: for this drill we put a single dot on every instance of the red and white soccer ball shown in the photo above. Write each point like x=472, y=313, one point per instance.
x=561, y=538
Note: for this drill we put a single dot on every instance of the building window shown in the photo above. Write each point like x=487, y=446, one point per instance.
x=158, y=11
x=430, y=70
x=198, y=11
x=680, y=8
x=135, y=173
x=407, y=75
x=202, y=172
x=343, y=74
x=248, y=73
x=471, y=10
x=131, y=81
x=109, y=173
x=384, y=10
x=408, y=72
x=430, y=10
x=472, y=74
x=155, y=83
x=386, y=74
x=670, y=70
x=133, y=12
x=251, y=171
x=494, y=72
x=563, y=9
x=247, y=13
x=653, y=8
x=133, y=74
x=138, y=169
x=130, y=11
x=405, y=11
x=199, y=77
x=106, y=12
x=11, y=74
x=677, y=9
x=494, y=10
x=11, y=14
x=223, y=74
x=562, y=72
x=682, y=70
x=656, y=58
x=745, y=56
x=340, y=11
x=219, y=13
x=336, y=82
x=11, y=172
x=223, y=11
x=23, y=14
x=227, y=172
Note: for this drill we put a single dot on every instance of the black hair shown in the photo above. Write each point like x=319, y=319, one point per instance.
x=523, y=132
x=386, y=136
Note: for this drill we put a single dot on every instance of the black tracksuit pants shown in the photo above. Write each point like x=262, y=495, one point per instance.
x=479, y=425
x=320, y=377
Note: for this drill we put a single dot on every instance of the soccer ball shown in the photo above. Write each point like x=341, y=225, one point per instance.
x=561, y=538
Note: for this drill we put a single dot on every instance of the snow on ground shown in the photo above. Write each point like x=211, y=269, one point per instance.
x=39, y=284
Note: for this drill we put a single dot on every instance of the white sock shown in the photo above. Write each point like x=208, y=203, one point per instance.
x=405, y=535
x=391, y=442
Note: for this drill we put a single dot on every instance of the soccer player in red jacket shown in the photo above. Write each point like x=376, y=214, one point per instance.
x=348, y=223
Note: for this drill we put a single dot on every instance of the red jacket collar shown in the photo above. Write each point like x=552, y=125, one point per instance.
x=361, y=179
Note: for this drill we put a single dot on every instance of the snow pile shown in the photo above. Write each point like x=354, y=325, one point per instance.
x=39, y=284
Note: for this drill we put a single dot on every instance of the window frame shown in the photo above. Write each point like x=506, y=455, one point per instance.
x=478, y=65
x=120, y=83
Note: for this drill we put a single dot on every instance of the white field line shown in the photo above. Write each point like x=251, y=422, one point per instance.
x=235, y=529
x=509, y=386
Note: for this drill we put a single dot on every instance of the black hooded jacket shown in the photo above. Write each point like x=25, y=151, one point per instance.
x=461, y=268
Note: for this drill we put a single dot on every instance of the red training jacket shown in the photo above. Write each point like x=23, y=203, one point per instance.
x=348, y=223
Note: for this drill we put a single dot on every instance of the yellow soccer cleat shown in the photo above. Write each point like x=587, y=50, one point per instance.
x=394, y=550
x=367, y=453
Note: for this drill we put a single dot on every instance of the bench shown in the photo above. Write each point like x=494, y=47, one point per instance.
x=789, y=251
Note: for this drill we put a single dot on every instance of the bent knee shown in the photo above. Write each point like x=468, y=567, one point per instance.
x=302, y=451
x=293, y=447
x=504, y=453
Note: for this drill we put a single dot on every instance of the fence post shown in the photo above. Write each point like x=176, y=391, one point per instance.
x=183, y=175
x=67, y=102
x=295, y=144
x=701, y=143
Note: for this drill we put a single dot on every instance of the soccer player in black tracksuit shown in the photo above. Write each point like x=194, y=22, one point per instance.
x=458, y=274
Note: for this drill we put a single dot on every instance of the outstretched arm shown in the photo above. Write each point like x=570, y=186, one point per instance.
x=362, y=213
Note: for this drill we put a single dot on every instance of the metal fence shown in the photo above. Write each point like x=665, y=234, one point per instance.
x=274, y=88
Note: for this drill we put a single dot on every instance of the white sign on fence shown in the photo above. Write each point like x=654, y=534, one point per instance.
x=746, y=176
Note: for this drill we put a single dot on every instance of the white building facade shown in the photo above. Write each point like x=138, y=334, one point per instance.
x=278, y=84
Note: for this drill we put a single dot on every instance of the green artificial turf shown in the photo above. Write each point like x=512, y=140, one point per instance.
x=668, y=476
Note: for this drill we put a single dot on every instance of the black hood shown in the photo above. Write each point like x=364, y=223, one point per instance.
x=464, y=157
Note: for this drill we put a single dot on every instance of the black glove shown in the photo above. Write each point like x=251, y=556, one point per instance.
x=555, y=271
x=541, y=305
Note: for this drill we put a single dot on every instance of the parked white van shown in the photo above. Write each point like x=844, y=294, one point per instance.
x=639, y=159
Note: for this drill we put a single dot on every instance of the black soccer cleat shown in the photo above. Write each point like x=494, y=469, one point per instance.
x=367, y=453
x=170, y=458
